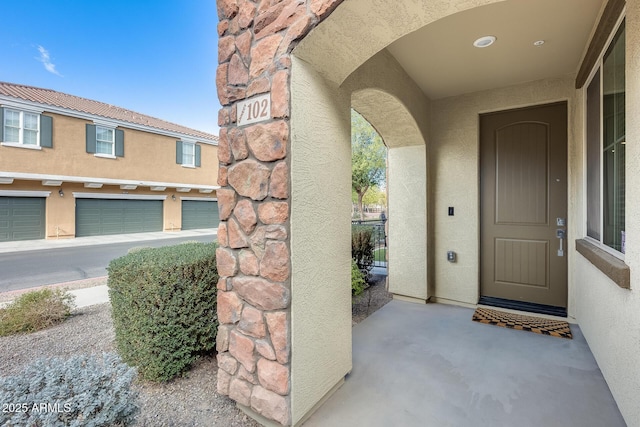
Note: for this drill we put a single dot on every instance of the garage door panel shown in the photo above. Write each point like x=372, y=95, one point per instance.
x=114, y=216
x=199, y=214
x=22, y=218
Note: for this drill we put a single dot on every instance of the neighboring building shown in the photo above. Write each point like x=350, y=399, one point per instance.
x=72, y=167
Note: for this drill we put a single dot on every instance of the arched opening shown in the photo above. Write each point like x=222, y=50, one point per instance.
x=320, y=210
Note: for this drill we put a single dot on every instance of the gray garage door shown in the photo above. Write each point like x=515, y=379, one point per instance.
x=112, y=216
x=22, y=218
x=199, y=214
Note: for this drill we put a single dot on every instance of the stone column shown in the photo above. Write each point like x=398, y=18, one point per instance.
x=254, y=291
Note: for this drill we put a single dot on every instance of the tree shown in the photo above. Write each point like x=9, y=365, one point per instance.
x=374, y=196
x=368, y=157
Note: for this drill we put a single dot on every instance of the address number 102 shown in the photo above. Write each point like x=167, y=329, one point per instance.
x=254, y=110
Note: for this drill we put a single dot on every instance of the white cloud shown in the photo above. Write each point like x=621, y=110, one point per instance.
x=46, y=61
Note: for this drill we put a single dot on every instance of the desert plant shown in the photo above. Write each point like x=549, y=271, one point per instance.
x=35, y=310
x=358, y=283
x=164, y=307
x=362, y=247
x=80, y=391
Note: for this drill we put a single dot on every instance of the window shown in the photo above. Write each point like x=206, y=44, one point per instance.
x=188, y=154
x=605, y=115
x=21, y=127
x=104, y=141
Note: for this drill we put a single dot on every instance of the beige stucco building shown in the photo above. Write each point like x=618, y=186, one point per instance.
x=72, y=167
x=531, y=137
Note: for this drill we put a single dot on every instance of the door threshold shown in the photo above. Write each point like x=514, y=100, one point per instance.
x=524, y=306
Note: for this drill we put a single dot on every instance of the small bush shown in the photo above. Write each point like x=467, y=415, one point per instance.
x=362, y=247
x=358, y=283
x=164, y=307
x=35, y=310
x=82, y=391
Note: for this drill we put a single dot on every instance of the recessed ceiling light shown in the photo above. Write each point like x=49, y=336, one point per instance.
x=538, y=43
x=485, y=41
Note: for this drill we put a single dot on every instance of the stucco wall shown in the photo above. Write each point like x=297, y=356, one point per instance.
x=408, y=221
x=608, y=315
x=454, y=162
x=147, y=157
x=320, y=238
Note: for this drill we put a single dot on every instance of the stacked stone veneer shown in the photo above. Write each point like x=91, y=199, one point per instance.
x=254, y=341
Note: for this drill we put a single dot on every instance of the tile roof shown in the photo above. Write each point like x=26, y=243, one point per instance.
x=83, y=105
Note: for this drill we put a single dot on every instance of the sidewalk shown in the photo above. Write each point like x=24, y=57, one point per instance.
x=34, y=245
x=87, y=292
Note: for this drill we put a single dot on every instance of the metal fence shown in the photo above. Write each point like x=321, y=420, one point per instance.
x=379, y=237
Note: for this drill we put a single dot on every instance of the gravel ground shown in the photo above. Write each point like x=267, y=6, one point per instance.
x=374, y=297
x=187, y=401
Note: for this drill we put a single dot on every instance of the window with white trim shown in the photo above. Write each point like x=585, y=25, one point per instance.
x=188, y=153
x=105, y=142
x=21, y=127
x=605, y=140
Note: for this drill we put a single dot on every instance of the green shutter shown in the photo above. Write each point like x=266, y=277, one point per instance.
x=119, y=143
x=46, y=131
x=198, y=155
x=179, y=152
x=91, y=138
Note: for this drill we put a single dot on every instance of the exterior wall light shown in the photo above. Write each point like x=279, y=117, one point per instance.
x=61, y=193
x=173, y=197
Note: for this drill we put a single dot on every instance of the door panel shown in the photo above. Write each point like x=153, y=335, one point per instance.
x=22, y=218
x=199, y=214
x=523, y=176
x=96, y=217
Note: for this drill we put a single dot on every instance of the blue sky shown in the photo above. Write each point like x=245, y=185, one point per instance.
x=155, y=57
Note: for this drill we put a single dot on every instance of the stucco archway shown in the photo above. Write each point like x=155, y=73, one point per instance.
x=407, y=191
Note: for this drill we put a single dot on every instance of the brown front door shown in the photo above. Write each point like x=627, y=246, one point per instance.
x=523, y=181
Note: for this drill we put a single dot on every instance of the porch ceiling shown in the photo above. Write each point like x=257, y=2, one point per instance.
x=442, y=60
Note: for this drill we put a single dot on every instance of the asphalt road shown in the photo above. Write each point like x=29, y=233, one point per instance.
x=29, y=269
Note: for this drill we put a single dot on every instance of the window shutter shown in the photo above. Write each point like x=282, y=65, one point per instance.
x=198, y=155
x=46, y=131
x=119, y=143
x=91, y=138
x=179, y=152
x=2, y=124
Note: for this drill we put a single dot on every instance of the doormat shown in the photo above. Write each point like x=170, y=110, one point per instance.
x=555, y=328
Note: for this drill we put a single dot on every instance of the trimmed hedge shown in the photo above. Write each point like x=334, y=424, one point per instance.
x=164, y=307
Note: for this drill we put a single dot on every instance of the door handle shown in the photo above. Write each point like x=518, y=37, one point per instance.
x=561, y=234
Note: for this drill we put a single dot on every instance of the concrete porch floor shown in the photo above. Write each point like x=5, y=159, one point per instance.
x=430, y=365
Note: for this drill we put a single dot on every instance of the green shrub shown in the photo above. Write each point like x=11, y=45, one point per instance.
x=362, y=247
x=81, y=391
x=358, y=283
x=164, y=307
x=35, y=310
